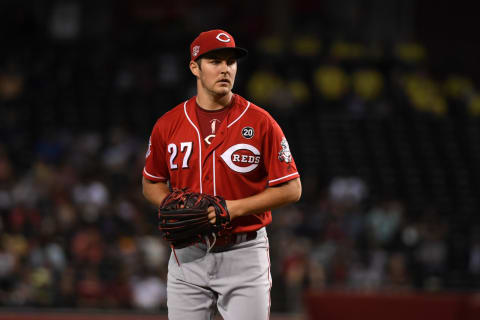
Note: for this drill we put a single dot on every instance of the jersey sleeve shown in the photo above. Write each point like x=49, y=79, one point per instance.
x=155, y=166
x=279, y=161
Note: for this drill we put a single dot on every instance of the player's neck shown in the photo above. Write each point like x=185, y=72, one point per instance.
x=209, y=102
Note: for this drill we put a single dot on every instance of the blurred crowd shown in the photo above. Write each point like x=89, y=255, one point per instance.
x=75, y=116
x=339, y=243
x=76, y=232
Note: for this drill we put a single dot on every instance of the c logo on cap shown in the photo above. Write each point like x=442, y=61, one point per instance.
x=223, y=37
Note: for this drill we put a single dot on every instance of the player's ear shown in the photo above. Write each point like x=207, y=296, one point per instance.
x=195, y=68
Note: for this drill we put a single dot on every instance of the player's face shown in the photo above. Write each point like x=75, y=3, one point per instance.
x=217, y=72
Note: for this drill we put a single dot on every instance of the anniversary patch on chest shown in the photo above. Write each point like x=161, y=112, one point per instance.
x=248, y=132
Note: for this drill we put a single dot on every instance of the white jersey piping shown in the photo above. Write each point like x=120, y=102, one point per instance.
x=246, y=108
x=278, y=179
x=214, y=181
x=151, y=175
x=199, y=145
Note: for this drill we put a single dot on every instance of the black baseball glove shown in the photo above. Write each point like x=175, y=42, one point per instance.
x=183, y=217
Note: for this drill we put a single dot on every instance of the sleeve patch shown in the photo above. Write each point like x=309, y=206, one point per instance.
x=149, y=147
x=285, y=155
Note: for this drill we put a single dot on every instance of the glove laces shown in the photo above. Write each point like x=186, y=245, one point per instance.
x=174, y=253
x=207, y=240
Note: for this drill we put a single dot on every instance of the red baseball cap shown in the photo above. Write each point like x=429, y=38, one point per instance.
x=214, y=40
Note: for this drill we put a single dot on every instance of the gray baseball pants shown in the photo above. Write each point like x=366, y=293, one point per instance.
x=235, y=280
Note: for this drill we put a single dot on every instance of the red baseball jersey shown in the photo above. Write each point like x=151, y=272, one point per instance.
x=248, y=154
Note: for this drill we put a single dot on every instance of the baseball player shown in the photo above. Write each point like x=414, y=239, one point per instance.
x=218, y=143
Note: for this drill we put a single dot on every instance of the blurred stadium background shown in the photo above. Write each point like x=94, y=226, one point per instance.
x=380, y=101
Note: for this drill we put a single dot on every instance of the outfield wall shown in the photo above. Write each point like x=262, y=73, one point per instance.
x=341, y=306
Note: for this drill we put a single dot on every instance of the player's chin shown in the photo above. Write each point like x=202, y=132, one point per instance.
x=223, y=90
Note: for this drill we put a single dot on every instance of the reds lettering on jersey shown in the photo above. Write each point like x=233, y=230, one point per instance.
x=248, y=153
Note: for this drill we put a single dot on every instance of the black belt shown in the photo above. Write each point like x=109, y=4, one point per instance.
x=231, y=239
